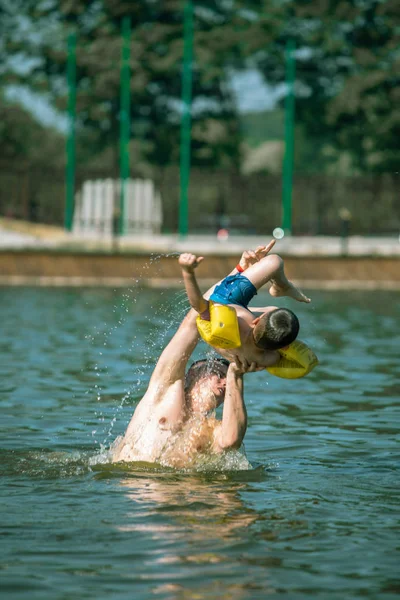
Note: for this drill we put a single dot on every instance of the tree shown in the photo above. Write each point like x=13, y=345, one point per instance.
x=347, y=85
x=347, y=73
x=156, y=67
x=24, y=139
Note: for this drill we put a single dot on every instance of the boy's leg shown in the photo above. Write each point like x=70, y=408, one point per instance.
x=271, y=269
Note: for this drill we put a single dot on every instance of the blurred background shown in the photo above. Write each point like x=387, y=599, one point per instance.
x=237, y=112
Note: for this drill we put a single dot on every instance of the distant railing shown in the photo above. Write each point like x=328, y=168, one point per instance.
x=217, y=198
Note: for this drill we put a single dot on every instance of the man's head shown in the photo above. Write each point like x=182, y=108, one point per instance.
x=205, y=383
x=275, y=329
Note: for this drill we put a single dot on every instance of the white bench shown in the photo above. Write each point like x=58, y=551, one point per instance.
x=97, y=204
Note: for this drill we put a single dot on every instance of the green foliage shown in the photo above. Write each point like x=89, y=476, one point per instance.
x=156, y=68
x=23, y=139
x=348, y=74
x=262, y=126
x=347, y=82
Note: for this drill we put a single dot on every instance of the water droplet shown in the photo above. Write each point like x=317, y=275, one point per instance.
x=278, y=233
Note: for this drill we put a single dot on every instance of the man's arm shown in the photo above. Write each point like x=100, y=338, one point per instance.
x=172, y=363
x=231, y=431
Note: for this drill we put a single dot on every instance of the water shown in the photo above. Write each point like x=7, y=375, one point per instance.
x=317, y=515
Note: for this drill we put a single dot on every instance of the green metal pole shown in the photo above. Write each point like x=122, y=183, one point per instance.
x=125, y=114
x=289, y=139
x=186, y=117
x=70, y=148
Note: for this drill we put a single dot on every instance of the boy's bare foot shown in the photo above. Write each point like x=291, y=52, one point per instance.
x=288, y=290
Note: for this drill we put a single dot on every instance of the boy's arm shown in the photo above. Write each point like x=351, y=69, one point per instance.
x=271, y=269
x=188, y=263
x=261, y=269
x=258, y=311
x=248, y=258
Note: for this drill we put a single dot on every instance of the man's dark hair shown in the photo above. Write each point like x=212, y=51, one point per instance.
x=276, y=329
x=204, y=368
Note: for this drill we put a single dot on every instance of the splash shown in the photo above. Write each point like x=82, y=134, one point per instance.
x=158, y=322
x=39, y=464
x=234, y=460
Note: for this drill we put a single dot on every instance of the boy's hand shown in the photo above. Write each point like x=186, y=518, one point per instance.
x=189, y=262
x=250, y=257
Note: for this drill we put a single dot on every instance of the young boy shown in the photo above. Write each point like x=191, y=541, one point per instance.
x=263, y=331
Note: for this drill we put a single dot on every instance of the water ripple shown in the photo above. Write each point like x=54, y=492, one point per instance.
x=314, y=516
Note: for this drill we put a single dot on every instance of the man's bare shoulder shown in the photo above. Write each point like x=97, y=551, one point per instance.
x=162, y=393
x=158, y=415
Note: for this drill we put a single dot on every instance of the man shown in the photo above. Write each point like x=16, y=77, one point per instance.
x=172, y=424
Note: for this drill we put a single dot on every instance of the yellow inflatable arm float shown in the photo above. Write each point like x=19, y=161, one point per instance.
x=222, y=331
x=297, y=360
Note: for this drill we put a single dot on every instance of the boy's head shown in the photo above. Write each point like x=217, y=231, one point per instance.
x=276, y=329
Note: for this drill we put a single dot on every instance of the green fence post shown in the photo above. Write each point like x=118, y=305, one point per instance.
x=70, y=147
x=186, y=117
x=288, y=161
x=125, y=114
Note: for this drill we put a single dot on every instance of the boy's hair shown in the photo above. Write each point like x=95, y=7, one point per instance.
x=204, y=368
x=276, y=329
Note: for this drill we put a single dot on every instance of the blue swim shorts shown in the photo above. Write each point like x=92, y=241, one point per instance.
x=234, y=289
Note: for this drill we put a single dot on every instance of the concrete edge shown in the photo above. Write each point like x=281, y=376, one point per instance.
x=130, y=251
x=173, y=244
x=124, y=282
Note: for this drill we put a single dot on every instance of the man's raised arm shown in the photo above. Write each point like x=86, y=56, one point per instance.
x=230, y=432
x=172, y=363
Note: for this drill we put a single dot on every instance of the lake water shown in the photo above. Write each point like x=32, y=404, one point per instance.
x=316, y=516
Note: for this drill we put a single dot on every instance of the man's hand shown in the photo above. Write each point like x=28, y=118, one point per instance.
x=243, y=366
x=189, y=262
x=250, y=257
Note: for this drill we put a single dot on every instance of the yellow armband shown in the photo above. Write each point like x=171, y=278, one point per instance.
x=222, y=330
x=296, y=361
